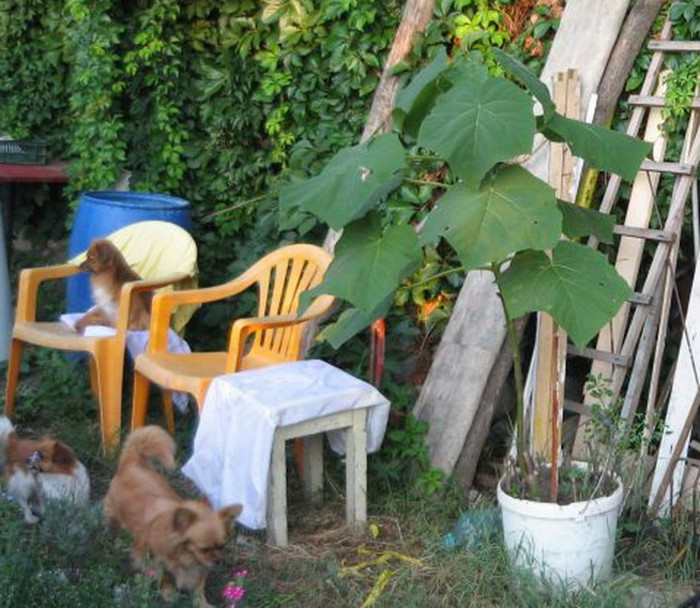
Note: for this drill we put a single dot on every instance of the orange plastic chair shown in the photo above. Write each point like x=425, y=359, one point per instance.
x=106, y=352
x=274, y=336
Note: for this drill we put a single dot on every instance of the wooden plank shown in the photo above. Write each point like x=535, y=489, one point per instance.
x=675, y=46
x=645, y=233
x=628, y=260
x=641, y=299
x=599, y=355
x=654, y=101
x=552, y=340
x=635, y=123
x=685, y=385
x=668, y=167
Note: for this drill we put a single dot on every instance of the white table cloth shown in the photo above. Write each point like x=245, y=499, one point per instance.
x=233, y=442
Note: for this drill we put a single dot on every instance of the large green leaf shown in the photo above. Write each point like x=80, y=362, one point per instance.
x=418, y=97
x=577, y=286
x=351, y=322
x=580, y=221
x=352, y=182
x=369, y=263
x=475, y=125
x=605, y=149
x=528, y=79
x=514, y=211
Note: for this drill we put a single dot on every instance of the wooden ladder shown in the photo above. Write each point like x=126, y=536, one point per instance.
x=625, y=346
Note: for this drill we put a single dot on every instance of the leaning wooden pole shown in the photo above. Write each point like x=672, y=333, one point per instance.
x=416, y=16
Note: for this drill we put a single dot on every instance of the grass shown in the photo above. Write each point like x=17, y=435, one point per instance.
x=70, y=560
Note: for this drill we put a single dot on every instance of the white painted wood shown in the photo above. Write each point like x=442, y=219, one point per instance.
x=313, y=467
x=685, y=385
x=355, y=424
x=356, y=473
x=277, y=497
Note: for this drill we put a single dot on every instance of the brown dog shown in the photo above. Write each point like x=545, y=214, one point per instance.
x=109, y=271
x=185, y=536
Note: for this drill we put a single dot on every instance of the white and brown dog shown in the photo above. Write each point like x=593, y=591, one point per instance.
x=37, y=471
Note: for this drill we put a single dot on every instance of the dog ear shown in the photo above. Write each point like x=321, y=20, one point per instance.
x=229, y=514
x=183, y=518
x=105, y=253
x=62, y=454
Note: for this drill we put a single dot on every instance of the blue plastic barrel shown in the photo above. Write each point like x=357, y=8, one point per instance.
x=101, y=213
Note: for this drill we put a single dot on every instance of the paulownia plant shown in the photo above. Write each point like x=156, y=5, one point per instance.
x=456, y=120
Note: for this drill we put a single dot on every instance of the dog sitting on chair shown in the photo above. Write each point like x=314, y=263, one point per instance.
x=36, y=471
x=186, y=537
x=109, y=271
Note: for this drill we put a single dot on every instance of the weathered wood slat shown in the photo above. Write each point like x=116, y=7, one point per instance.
x=645, y=233
x=656, y=101
x=576, y=407
x=641, y=299
x=668, y=167
x=675, y=46
x=600, y=355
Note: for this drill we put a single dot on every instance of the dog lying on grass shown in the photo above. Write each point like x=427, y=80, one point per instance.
x=108, y=273
x=185, y=537
x=37, y=471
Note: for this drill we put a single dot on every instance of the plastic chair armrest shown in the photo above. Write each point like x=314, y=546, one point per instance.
x=163, y=304
x=29, y=281
x=136, y=286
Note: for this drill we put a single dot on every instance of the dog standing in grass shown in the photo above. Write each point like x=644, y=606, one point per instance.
x=108, y=273
x=186, y=537
x=37, y=471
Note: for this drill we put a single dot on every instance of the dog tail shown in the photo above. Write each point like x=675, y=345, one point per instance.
x=6, y=429
x=149, y=442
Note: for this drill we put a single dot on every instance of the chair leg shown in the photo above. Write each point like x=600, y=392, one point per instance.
x=168, y=409
x=94, y=382
x=14, y=360
x=139, y=403
x=109, y=378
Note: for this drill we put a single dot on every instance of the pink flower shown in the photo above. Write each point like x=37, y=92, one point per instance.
x=150, y=572
x=233, y=592
x=241, y=573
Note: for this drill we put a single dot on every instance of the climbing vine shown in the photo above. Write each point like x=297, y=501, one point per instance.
x=154, y=67
x=97, y=145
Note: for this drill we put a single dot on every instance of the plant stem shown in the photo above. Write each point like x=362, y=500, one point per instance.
x=438, y=275
x=518, y=372
x=426, y=182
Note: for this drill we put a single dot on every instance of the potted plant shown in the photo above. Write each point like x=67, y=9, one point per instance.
x=445, y=177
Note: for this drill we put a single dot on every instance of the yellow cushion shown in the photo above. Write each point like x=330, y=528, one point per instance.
x=155, y=250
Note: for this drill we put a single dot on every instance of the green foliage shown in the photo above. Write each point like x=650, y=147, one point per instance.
x=514, y=211
x=97, y=142
x=32, y=71
x=576, y=285
x=680, y=92
x=155, y=64
x=473, y=124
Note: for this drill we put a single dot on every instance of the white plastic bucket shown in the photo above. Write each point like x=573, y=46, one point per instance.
x=571, y=544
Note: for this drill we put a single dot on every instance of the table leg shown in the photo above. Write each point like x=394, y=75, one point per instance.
x=356, y=471
x=313, y=467
x=277, y=496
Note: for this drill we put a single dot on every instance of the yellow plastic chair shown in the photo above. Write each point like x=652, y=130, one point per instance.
x=164, y=254
x=274, y=336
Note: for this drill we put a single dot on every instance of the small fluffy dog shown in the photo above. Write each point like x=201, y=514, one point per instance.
x=108, y=273
x=36, y=471
x=185, y=536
